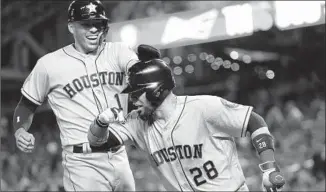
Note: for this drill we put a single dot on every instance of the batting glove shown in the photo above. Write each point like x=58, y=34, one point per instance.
x=110, y=115
x=273, y=179
x=147, y=52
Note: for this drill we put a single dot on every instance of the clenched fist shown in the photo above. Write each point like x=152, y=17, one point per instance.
x=111, y=115
x=25, y=141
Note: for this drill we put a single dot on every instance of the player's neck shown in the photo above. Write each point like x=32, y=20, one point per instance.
x=86, y=52
x=166, y=110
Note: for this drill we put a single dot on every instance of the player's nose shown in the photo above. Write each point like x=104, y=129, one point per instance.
x=136, y=102
x=93, y=29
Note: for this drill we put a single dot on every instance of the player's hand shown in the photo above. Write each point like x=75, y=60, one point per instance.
x=273, y=180
x=25, y=141
x=147, y=52
x=111, y=115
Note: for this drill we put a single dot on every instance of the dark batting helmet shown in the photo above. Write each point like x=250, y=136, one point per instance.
x=153, y=77
x=80, y=10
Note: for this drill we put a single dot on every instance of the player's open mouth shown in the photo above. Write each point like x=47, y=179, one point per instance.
x=93, y=37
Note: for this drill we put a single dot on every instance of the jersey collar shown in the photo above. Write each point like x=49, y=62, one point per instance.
x=70, y=49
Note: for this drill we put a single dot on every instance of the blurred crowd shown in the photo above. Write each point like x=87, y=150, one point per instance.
x=296, y=119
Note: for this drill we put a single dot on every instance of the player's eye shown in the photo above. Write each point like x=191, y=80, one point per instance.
x=96, y=24
x=134, y=96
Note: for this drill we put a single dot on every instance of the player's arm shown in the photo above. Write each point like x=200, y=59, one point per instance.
x=263, y=142
x=99, y=134
x=258, y=130
x=34, y=91
x=22, y=120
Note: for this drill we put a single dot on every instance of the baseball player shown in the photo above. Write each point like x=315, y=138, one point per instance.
x=189, y=140
x=80, y=81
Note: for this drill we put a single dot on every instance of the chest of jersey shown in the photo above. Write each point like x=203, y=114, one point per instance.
x=187, y=149
x=75, y=75
x=89, y=81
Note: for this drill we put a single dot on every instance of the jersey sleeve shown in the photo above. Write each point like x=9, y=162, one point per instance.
x=126, y=56
x=225, y=116
x=36, y=85
x=130, y=132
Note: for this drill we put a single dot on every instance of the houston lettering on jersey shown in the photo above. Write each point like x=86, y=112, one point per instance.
x=182, y=151
x=104, y=77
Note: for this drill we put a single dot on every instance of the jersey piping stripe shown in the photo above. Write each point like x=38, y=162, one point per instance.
x=171, y=164
x=184, y=105
x=114, y=132
x=243, y=183
x=73, y=184
x=30, y=97
x=127, y=66
x=94, y=96
x=106, y=101
x=245, y=122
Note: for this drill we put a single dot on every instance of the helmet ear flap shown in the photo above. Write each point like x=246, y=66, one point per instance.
x=158, y=91
x=155, y=95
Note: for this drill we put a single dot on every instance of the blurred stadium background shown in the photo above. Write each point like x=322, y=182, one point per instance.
x=269, y=54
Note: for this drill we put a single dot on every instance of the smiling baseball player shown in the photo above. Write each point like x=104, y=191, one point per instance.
x=188, y=139
x=80, y=81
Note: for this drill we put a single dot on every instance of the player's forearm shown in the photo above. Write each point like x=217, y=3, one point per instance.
x=97, y=133
x=261, y=137
x=23, y=114
x=267, y=155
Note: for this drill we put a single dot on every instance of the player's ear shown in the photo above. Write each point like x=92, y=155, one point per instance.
x=70, y=27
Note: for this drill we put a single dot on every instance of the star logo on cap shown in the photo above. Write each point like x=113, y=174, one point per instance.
x=91, y=7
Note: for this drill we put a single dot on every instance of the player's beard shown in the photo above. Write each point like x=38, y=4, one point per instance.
x=146, y=114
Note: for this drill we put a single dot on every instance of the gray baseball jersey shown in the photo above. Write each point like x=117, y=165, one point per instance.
x=195, y=149
x=78, y=86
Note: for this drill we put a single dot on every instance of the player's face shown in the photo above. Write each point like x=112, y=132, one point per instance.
x=87, y=34
x=143, y=105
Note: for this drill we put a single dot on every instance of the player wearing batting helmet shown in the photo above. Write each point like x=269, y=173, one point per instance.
x=80, y=81
x=188, y=139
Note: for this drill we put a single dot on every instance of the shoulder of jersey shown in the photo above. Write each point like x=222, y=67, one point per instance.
x=201, y=98
x=133, y=115
x=52, y=56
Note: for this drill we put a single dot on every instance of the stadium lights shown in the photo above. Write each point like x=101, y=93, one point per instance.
x=234, y=55
x=227, y=64
x=218, y=59
x=192, y=57
x=235, y=67
x=189, y=69
x=232, y=14
x=270, y=74
x=167, y=60
x=177, y=70
x=177, y=60
x=312, y=10
x=215, y=65
x=246, y=59
x=202, y=56
x=198, y=27
x=210, y=58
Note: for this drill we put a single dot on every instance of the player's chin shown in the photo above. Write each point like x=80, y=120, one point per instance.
x=143, y=111
x=92, y=46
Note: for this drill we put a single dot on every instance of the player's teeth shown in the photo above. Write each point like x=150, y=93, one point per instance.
x=92, y=37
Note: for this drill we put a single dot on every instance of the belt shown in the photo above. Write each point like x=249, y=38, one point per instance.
x=96, y=149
